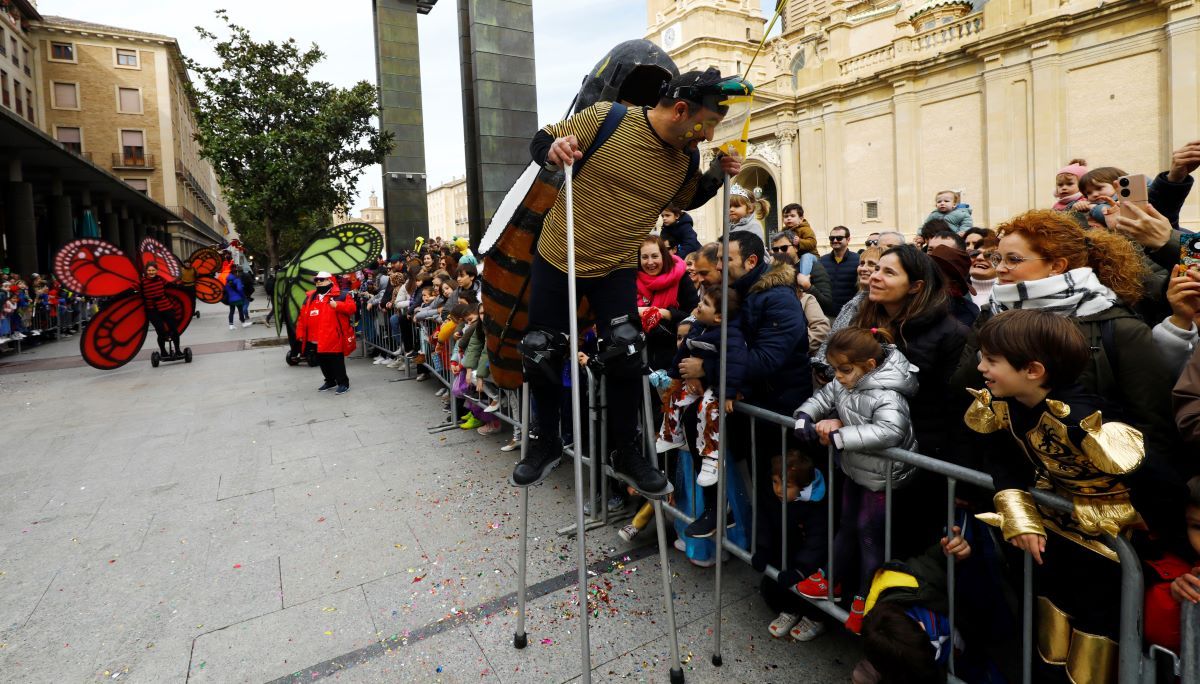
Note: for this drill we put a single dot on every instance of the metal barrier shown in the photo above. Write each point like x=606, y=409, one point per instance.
x=377, y=331
x=1134, y=666
x=41, y=321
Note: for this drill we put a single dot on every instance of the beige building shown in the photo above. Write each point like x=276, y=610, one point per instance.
x=865, y=109
x=448, y=209
x=118, y=97
x=18, y=66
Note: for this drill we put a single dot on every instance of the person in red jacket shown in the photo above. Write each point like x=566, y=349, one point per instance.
x=326, y=321
x=159, y=309
x=1175, y=580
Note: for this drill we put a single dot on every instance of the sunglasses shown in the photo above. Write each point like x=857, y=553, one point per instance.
x=872, y=243
x=781, y=248
x=836, y=238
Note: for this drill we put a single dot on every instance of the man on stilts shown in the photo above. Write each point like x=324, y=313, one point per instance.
x=638, y=160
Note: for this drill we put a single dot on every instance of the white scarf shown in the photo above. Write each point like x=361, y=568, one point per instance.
x=1077, y=292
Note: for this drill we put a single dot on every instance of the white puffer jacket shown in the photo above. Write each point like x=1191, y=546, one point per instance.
x=875, y=416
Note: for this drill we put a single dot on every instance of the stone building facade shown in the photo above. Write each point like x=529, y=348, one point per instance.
x=118, y=98
x=865, y=109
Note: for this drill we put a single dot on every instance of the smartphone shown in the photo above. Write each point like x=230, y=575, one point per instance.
x=1189, y=251
x=1131, y=189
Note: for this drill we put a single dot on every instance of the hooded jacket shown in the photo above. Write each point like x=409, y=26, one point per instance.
x=704, y=343
x=331, y=329
x=750, y=223
x=682, y=234
x=778, y=375
x=875, y=416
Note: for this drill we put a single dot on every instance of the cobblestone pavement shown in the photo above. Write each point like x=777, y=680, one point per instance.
x=221, y=521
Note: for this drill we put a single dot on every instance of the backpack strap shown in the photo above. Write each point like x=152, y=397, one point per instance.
x=1104, y=355
x=607, y=128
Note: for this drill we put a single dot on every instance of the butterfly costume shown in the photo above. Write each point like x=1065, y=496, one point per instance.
x=116, y=334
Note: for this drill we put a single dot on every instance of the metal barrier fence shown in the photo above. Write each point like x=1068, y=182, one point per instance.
x=44, y=322
x=1135, y=666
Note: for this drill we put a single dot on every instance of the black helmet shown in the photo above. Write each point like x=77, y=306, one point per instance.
x=634, y=71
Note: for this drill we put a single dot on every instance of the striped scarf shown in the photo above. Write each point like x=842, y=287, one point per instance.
x=1076, y=293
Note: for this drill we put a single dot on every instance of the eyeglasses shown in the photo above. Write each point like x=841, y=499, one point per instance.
x=836, y=238
x=1011, y=261
x=872, y=243
x=781, y=248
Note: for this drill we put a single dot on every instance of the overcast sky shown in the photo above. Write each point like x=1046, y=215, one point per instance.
x=570, y=37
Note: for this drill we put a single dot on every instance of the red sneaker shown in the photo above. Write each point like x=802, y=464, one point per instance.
x=854, y=622
x=817, y=587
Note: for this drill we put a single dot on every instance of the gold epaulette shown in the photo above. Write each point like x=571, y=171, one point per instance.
x=984, y=416
x=1114, y=448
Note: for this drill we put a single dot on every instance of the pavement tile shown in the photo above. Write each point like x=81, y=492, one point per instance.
x=283, y=642
x=269, y=476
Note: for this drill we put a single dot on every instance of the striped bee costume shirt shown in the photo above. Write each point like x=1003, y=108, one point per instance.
x=619, y=193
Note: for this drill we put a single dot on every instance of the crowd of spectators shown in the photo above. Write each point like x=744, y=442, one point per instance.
x=37, y=309
x=877, y=347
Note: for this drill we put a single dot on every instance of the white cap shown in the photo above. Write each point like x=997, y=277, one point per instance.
x=323, y=274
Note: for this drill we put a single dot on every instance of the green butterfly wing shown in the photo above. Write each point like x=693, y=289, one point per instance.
x=340, y=249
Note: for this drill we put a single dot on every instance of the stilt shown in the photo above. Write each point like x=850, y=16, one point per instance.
x=660, y=525
x=520, y=639
x=722, y=449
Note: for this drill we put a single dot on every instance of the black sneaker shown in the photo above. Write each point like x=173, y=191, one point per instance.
x=327, y=386
x=342, y=389
x=539, y=460
x=632, y=468
x=706, y=525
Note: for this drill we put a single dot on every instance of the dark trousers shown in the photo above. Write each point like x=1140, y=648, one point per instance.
x=608, y=297
x=165, y=328
x=333, y=367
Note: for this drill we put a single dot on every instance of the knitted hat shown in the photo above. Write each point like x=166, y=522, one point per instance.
x=1076, y=170
x=954, y=264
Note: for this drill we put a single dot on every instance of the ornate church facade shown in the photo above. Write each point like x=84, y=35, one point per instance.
x=865, y=109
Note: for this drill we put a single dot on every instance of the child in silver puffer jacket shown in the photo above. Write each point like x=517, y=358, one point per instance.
x=873, y=379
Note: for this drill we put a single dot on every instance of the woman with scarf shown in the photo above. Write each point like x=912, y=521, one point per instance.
x=664, y=298
x=1047, y=261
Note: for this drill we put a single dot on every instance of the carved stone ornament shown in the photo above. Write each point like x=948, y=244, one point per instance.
x=767, y=150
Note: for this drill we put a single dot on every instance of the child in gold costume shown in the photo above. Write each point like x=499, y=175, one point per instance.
x=1041, y=430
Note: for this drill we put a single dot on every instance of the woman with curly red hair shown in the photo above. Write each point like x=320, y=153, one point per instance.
x=1047, y=261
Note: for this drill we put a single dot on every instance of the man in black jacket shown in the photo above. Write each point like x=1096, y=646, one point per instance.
x=842, y=266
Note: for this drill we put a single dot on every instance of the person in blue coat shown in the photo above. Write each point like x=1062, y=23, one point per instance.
x=678, y=231
x=842, y=266
x=235, y=297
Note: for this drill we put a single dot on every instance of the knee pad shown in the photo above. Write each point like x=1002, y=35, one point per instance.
x=622, y=353
x=543, y=353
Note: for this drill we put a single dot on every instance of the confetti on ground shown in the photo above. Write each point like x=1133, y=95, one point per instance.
x=237, y=566
x=328, y=633
x=329, y=609
x=547, y=642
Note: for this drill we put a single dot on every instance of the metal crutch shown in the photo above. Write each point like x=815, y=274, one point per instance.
x=576, y=429
x=520, y=638
x=660, y=525
x=722, y=458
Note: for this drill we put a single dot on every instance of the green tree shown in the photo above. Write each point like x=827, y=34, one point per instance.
x=284, y=147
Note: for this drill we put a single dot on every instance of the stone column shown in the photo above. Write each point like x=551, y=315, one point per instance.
x=789, y=170
x=62, y=227
x=909, y=201
x=835, y=204
x=110, y=225
x=1048, y=124
x=129, y=240
x=1183, y=44
x=20, y=229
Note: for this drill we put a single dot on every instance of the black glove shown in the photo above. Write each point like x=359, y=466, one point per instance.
x=806, y=427
x=758, y=561
x=790, y=578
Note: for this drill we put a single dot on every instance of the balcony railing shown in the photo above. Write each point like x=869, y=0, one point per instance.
x=864, y=62
x=935, y=39
x=132, y=161
x=186, y=176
